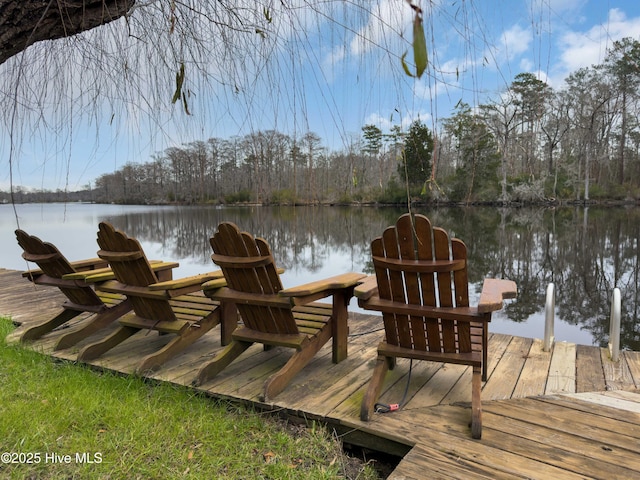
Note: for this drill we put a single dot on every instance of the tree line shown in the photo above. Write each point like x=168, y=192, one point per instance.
x=532, y=143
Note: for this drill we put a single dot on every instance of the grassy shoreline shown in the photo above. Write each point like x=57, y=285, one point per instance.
x=65, y=421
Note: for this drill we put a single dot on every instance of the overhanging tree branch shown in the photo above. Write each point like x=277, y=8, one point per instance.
x=25, y=23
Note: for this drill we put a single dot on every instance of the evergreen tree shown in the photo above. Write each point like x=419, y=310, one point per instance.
x=415, y=163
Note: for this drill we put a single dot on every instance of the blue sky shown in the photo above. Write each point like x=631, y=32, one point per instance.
x=329, y=69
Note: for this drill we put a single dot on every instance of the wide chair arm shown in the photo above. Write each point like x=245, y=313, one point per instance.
x=321, y=288
x=494, y=292
x=83, y=267
x=366, y=288
x=186, y=284
x=162, y=290
x=162, y=270
x=298, y=295
x=89, y=264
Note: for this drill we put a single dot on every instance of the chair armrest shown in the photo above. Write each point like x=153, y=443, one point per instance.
x=214, y=284
x=105, y=274
x=83, y=268
x=367, y=288
x=345, y=280
x=494, y=291
x=195, y=280
x=163, y=290
x=224, y=294
x=114, y=286
x=91, y=276
x=89, y=264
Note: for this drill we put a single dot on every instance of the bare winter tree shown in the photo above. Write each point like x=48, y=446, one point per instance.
x=149, y=68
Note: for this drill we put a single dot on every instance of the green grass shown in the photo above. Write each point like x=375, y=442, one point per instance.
x=134, y=429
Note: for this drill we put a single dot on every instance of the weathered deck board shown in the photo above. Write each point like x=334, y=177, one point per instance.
x=562, y=371
x=589, y=374
x=535, y=371
x=529, y=429
x=507, y=372
x=616, y=374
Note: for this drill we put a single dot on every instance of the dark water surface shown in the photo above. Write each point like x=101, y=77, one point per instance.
x=585, y=252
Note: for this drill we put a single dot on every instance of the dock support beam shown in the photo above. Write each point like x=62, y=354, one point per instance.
x=614, y=326
x=549, y=314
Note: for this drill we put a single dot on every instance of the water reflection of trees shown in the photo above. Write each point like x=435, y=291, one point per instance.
x=584, y=252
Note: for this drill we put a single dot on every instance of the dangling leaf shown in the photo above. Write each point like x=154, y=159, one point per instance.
x=172, y=16
x=420, y=56
x=185, y=105
x=405, y=67
x=179, y=81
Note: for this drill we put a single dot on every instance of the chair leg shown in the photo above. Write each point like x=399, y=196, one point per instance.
x=94, y=350
x=228, y=321
x=100, y=321
x=36, y=331
x=485, y=351
x=220, y=362
x=375, y=387
x=476, y=404
x=154, y=361
x=339, y=326
x=277, y=382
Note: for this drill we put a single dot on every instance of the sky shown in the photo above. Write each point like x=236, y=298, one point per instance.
x=326, y=67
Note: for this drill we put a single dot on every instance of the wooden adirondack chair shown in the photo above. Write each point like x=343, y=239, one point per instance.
x=55, y=270
x=273, y=316
x=421, y=288
x=167, y=307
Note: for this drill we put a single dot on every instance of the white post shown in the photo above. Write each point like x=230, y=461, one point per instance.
x=549, y=313
x=614, y=326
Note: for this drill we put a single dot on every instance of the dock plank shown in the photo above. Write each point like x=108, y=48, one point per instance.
x=533, y=376
x=503, y=379
x=616, y=374
x=558, y=421
x=611, y=399
x=589, y=371
x=499, y=454
x=562, y=370
x=633, y=361
x=588, y=428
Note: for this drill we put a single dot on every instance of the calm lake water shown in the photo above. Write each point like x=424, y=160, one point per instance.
x=585, y=252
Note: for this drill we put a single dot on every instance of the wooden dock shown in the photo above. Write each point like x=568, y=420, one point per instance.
x=569, y=413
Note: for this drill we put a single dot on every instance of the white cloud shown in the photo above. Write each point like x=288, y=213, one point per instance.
x=405, y=119
x=512, y=42
x=583, y=49
x=388, y=20
x=526, y=65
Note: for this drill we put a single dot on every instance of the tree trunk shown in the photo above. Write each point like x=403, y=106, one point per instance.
x=27, y=22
